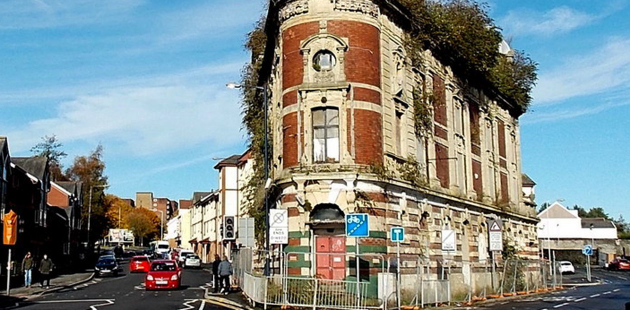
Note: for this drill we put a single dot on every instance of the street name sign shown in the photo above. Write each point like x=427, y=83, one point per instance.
x=357, y=225
x=397, y=234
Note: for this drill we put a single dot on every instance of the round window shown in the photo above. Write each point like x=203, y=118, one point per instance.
x=324, y=61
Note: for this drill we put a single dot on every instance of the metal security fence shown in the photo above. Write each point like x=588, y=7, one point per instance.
x=387, y=281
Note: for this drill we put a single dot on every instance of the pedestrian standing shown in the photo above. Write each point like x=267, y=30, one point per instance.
x=46, y=266
x=215, y=273
x=225, y=271
x=27, y=266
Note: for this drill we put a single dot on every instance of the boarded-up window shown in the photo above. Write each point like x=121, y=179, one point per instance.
x=474, y=128
x=439, y=100
x=501, y=134
x=504, y=188
x=326, y=135
x=441, y=159
x=477, y=178
x=399, y=138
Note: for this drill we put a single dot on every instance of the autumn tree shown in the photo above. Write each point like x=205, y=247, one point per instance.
x=143, y=223
x=50, y=147
x=117, y=211
x=90, y=170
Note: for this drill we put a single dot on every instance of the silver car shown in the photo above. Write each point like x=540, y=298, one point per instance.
x=192, y=260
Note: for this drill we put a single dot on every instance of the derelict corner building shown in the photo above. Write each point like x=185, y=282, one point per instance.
x=341, y=114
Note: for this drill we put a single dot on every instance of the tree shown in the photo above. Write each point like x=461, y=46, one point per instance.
x=117, y=211
x=597, y=212
x=143, y=223
x=90, y=171
x=580, y=210
x=543, y=207
x=50, y=147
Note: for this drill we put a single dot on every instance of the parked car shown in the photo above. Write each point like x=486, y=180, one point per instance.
x=183, y=254
x=192, y=261
x=619, y=264
x=139, y=264
x=566, y=267
x=164, y=274
x=106, y=265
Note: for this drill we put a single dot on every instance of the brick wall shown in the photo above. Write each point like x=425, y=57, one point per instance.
x=363, y=59
x=289, y=140
x=441, y=158
x=292, y=64
x=289, y=98
x=368, y=137
x=364, y=94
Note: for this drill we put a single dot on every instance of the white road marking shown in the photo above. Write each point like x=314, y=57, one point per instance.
x=616, y=290
x=109, y=302
x=203, y=305
x=188, y=307
x=578, y=300
x=596, y=295
x=561, y=305
x=606, y=293
x=67, y=300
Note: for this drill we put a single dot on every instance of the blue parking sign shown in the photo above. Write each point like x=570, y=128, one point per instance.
x=397, y=234
x=357, y=225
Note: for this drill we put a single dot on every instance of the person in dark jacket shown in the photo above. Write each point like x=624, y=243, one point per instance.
x=215, y=273
x=46, y=266
x=27, y=266
x=225, y=271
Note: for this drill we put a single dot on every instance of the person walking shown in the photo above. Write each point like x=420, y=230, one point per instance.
x=46, y=266
x=225, y=271
x=27, y=267
x=215, y=273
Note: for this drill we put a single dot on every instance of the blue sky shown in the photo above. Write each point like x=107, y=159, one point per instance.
x=147, y=80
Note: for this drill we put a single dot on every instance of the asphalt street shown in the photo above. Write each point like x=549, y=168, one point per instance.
x=127, y=292
x=613, y=293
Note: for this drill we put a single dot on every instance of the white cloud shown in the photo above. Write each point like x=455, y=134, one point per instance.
x=604, y=70
x=142, y=120
x=555, y=21
x=571, y=112
x=29, y=14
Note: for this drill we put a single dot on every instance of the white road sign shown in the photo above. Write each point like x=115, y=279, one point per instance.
x=278, y=226
x=448, y=240
x=496, y=235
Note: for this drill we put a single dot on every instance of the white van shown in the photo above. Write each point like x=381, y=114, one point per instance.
x=183, y=254
x=160, y=247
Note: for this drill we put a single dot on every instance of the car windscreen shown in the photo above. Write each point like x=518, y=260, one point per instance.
x=140, y=259
x=566, y=264
x=623, y=261
x=105, y=262
x=163, y=246
x=192, y=256
x=163, y=267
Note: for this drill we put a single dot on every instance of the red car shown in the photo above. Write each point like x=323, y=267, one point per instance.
x=139, y=264
x=619, y=264
x=164, y=274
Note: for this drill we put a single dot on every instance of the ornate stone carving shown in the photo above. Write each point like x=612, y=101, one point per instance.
x=294, y=8
x=360, y=6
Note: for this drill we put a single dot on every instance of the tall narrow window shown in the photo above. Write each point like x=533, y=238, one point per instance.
x=399, y=116
x=326, y=135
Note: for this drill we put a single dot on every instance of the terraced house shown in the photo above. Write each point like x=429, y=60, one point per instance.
x=344, y=125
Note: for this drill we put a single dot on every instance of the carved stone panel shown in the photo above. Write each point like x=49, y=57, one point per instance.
x=294, y=8
x=360, y=6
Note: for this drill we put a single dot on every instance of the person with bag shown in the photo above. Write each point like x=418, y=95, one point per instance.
x=27, y=266
x=46, y=267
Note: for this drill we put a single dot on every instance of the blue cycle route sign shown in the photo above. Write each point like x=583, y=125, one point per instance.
x=357, y=225
x=587, y=250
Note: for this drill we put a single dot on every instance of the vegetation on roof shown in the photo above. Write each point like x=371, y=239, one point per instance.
x=461, y=34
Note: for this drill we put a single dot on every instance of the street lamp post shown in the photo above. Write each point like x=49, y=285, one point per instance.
x=90, y=211
x=266, y=167
x=161, y=223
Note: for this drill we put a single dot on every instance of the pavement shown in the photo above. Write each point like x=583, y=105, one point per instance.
x=20, y=294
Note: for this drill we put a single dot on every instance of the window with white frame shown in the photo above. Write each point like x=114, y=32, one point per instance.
x=326, y=135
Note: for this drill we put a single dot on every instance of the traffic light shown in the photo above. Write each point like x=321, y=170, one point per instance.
x=229, y=228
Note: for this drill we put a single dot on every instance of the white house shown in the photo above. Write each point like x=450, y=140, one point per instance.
x=558, y=222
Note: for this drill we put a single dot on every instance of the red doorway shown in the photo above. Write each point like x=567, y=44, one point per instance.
x=331, y=265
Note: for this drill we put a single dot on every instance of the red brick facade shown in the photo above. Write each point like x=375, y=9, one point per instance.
x=292, y=64
x=368, y=137
x=364, y=94
x=363, y=59
x=289, y=140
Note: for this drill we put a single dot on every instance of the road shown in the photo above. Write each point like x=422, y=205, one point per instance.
x=614, y=293
x=126, y=292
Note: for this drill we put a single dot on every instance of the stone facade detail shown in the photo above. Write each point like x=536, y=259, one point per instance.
x=292, y=9
x=360, y=6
